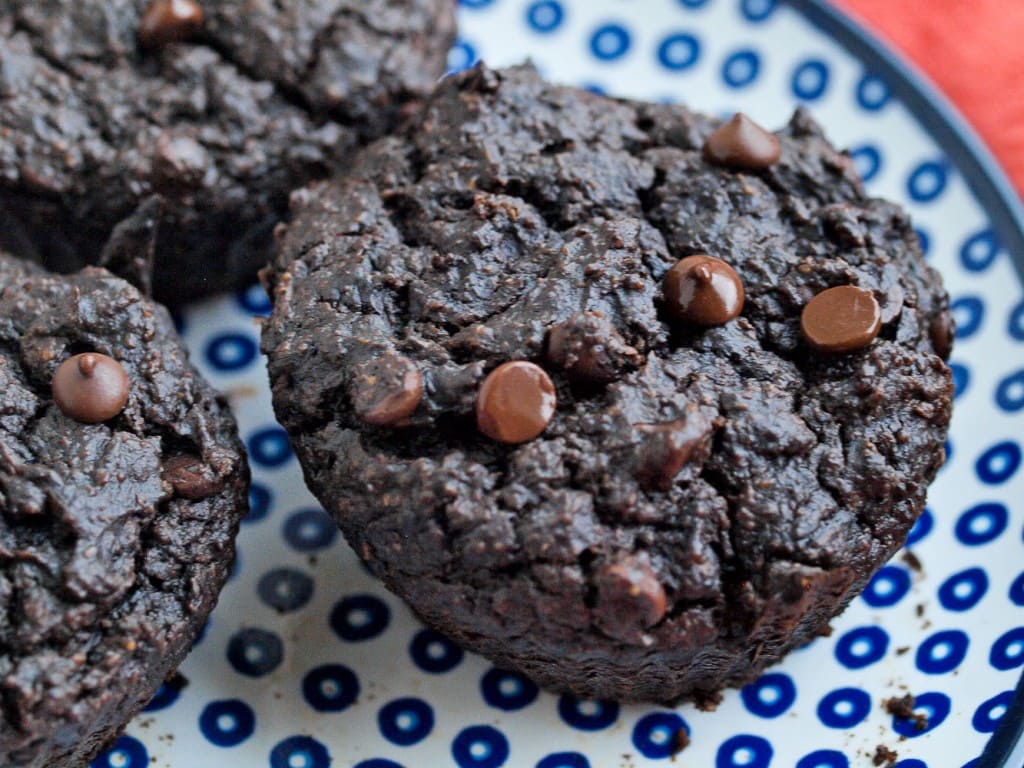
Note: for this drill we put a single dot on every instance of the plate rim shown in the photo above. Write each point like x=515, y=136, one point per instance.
x=987, y=181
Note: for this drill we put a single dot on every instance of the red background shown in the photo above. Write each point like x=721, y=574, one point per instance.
x=973, y=50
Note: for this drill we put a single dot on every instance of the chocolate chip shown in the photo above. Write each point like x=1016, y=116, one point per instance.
x=90, y=387
x=664, y=449
x=742, y=143
x=191, y=478
x=589, y=349
x=515, y=402
x=630, y=598
x=169, y=21
x=942, y=331
x=703, y=290
x=841, y=319
x=179, y=161
x=386, y=390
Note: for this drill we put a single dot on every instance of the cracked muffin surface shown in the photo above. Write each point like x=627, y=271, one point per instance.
x=116, y=536
x=223, y=120
x=703, y=499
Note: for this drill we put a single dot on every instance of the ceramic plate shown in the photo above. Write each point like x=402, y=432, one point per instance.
x=308, y=662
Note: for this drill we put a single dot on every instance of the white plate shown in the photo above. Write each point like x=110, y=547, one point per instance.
x=308, y=662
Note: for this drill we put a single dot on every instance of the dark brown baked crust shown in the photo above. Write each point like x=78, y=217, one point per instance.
x=265, y=97
x=515, y=204
x=115, y=538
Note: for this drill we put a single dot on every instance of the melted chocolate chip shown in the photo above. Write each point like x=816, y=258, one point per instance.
x=386, y=390
x=841, y=319
x=169, y=21
x=942, y=331
x=742, y=143
x=90, y=387
x=191, y=478
x=703, y=290
x=515, y=403
x=664, y=449
x=590, y=350
x=630, y=598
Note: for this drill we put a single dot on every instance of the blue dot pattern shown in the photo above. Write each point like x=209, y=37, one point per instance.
x=982, y=523
x=360, y=617
x=656, y=735
x=933, y=705
x=303, y=751
x=564, y=760
x=585, y=715
x=330, y=688
x=480, y=746
x=824, y=758
x=255, y=652
x=508, y=691
x=285, y=589
x=744, y=751
x=810, y=80
x=406, y=721
x=770, y=696
x=269, y=672
x=990, y=713
x=127, y=752
x=679, y=51
x=942, y=652
x=888, y=587
x=741, y=68
x=434, y=653
x=964, y=590
x=227, y=723
x=861, y=647
x=844, y=708
x=610, y=42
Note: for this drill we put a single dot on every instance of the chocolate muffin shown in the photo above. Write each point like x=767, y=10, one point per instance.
x=122, y=484
x=624, y=397
x=221, y=106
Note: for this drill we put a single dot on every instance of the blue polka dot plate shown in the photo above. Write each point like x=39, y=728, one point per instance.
x=308, y=662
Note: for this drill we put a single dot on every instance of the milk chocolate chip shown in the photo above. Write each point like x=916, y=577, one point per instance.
x=742, y=143
x=191, y=478
x=169, y=21
x=515, y=403
x=386, y=390
x=703, y=290
x=841, y=319
x=942, y=331
x=90, y=387
x=630, y=598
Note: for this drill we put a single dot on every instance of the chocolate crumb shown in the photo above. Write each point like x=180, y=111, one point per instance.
x=903, y=708
x=884, y=756
x=912, y=561
x=680, y=742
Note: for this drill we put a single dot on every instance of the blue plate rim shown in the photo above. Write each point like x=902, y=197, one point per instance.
x=989, y=184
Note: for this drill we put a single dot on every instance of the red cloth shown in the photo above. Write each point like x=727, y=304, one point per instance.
x=972, y=50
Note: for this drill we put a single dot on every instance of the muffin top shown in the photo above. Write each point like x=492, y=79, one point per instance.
x=222, y=106
x=122, y=483
x=679, y=414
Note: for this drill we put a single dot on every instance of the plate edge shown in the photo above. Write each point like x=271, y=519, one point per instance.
x=989, y=184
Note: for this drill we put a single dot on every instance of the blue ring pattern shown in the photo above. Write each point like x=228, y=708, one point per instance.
x=227, y=723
